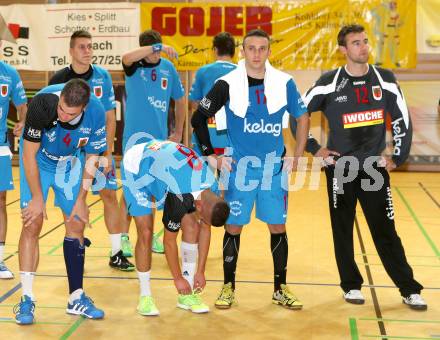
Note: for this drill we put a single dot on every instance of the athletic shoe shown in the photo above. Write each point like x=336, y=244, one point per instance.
x=84, y=306
x=5, y=273
x=146, y=306
x=286, y=298
x=157, y=243
x=126, y=247
x=24, y=311
x=119, y=261
x=226, y=297
x=354, y=296
x=192, y=302
x=415, y=301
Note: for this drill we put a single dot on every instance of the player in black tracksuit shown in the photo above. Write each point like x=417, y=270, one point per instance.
x=355, y=100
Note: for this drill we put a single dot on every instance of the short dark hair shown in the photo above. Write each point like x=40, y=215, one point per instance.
x=79, y=34
x=220, y=213
x=149, y=37
x=347, y=29
x=76, y=92
x=225, y=44
x=256, y=33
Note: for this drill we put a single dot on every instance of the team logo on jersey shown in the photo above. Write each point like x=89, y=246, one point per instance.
x=363, y=118
x=97, y=90
x=164, y=83
x=82, y=142
x=4, y=89
x=377, y=92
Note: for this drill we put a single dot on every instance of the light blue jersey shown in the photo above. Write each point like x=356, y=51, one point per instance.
x=149, y=89
x=101, y=85
x=58, y=158
x=155, y=168
x=203, y=82
x=11, y=88
x=260, y=133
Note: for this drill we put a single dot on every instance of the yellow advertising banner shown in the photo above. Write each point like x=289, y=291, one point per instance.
x=303, y=33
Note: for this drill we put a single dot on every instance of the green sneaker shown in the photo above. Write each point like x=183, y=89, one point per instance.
x=147, y=307
x=157, y=243
x=226, y=297
x=126, y=247
x=192, y=302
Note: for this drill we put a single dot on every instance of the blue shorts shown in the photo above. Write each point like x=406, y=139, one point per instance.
x=65, y=185
x=142, y=194
x=102, y=181
x=268, y=193
x=6, y=182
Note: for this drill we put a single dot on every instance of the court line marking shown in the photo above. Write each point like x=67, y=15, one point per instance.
x=401, y=320
x=429, y=194
x=397, y=337
x=10, y=292
x=12, y=320
x=376, y=305
x=353, y=329
x=221, y=280
x=376, y=254
x=8, y=204
x=72, y=328
x=419, y=224
x=412, y=265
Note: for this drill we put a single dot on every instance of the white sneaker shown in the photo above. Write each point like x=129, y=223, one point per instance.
x=415, y=301
x=5, y=273
x=354, y=296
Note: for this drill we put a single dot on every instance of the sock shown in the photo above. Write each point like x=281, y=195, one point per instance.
x=189, y=254
x=74, y=259
x=280, y=251
x=27, y=280
x=76, y=295
x=144, y=283
x=115, y=240
x=2, y=250
x=231, y=246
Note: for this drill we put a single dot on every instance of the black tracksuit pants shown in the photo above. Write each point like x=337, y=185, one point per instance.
x=378, y=209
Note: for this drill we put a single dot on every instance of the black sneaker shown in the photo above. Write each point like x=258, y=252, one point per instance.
x=119, y=261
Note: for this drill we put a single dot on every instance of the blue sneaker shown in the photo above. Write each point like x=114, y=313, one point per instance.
x=24, y=311
x=84, y=306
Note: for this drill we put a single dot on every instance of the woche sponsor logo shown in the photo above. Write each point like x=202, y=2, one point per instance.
x=363, y=118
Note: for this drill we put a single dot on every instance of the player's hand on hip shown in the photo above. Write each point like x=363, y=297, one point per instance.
x=80, y=212
x=387, y=163
x=170, y=51
x=199, y=281
x=18, y=128
x=182, y=286
x=34, y=209
x=327, y=156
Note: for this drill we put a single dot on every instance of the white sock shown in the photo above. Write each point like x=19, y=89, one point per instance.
x=2, y=251
x=189, y=254
x=144, y=283
x=75, y=295
x=115, y=240
x=27, y=280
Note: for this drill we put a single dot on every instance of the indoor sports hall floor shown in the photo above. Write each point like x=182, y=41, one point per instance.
x=312, y=275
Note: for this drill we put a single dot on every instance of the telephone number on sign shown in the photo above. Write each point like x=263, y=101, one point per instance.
x=106, y=59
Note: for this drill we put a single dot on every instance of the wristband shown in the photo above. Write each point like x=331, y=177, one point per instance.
x=157, y=47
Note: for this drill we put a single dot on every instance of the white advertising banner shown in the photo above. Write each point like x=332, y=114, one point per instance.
x=46, y=29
